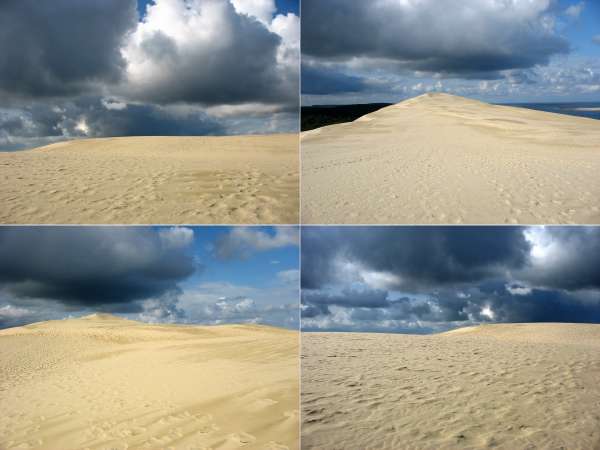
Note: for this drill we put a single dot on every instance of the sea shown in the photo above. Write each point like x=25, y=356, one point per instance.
x=585, y=109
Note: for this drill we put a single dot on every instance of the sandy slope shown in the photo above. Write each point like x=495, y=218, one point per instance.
x=438, y=158
x=106, y=383
x=149, y=180
x=529, y=386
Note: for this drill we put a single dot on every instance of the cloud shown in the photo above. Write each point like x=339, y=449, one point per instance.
x=91, y=267
x=262, y=10
x=417, y=255
x=320, y=80
x=65, y=47
x=187, y=67
x=218, y=302
x=204, y=52
x=565, y=258
x=349, y=298
x=291, y=276
x=596, y=39
x=516, y=289
x=156, y=275
x=424, y=279
x=41, y=123
x=176, y=237
x=13, y=315
x=497, y=51
x=475, y=36
x=241, y=242
x=574, y=11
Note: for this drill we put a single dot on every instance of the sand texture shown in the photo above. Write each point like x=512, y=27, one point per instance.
x=441, y=159
x=522, y=386
x=153, y=180
x=105, y=383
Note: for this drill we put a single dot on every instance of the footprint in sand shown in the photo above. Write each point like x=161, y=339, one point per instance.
x=241, y=438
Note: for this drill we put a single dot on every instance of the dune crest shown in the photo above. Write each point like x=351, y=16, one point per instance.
x=439, y=158
x=493, y=386
x=101, y=316
x=106, y=382
x=153, y=180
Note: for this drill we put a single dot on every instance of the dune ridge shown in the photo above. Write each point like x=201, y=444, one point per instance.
x=525, y=386
x=153, y=180
x=103, y=382
x=439, y=158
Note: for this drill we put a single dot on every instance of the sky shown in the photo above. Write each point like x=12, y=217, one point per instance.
x=100, y=68
x=203, y=275
x=514, y=51
x=430, y=279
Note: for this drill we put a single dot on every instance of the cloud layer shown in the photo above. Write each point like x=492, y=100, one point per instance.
x=469, y=36
x=108, y=268
x=65, y=46
x=386, y=50
x=430, y=278
x=154, y=275
x=199, y=66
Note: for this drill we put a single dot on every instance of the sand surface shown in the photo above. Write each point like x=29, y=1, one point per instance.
x=438, y=158
x=105, y=383
x=525, y=386
x=153, y=180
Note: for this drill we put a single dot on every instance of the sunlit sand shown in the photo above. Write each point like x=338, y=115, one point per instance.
x=521, y=386
x=153, y=180
x=439, y=158
x=108, y=383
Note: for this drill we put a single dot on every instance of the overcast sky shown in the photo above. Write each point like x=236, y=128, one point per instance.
x=94, y=68
x=204, y=275
x=356, y=51
x=427, y=279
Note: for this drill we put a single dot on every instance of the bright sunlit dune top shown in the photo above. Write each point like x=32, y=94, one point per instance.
x=444, y=159
x=101, y=316
x=540, y=332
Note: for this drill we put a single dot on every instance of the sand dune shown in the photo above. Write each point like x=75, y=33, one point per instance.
x=438, y=158
x=153, y=180
x=107, y=383
x=529, y=386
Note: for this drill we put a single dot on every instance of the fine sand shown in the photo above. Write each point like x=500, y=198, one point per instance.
x=438, y=158
x=522, y=386
x=153, y=180
x=107, y=383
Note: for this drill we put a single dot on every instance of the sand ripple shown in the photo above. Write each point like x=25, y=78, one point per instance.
x=531, y=386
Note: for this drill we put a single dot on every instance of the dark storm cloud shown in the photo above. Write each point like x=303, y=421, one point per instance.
x=309, y=310
x=432, y=35
x=319, y=81
x=422, y=255
x=149, y=120
x=59, y=47
x=102, y=118
x=58, y=58
x=348, y=297
x=65, y=45
x=543, y=305
x=439, y=276
x=574, y=261
x=91, y=267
